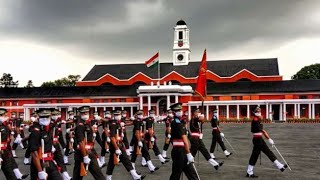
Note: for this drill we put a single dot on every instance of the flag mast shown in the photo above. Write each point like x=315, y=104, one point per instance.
x=159, y=69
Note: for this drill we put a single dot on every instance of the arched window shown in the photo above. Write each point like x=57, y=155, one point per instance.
x=139, y=83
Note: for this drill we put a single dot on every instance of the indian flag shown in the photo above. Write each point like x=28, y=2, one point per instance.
x=153, y=61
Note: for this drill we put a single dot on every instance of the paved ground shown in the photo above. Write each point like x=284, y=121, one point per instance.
x=298, y=143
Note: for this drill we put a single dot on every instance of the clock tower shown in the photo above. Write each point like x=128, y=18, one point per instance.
x=181, y=44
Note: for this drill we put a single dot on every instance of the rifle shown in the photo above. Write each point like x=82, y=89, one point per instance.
x=150, y=142
x=83, y=168
x=116, y=158
x=0, y=149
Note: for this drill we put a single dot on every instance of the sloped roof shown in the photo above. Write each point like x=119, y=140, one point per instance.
x=223, y=68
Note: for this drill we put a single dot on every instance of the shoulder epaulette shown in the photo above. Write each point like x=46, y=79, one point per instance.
x=177, y=120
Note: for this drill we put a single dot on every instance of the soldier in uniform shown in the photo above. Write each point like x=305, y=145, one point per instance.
x=260, y=145
x=41, y=147
x=95, y=123
x=17, y=127
x=105, y=137
x=167, y=140
x=124, y=131
x=139, y=143
x=117, y=148
x=182, y=159
x=84, y=145
x=217, y=136
x=150, y=139
x=196, y=136
x=55, y=128
x=33, y=122
x=69, y=137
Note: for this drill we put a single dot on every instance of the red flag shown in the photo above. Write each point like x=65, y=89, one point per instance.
x=201, y=87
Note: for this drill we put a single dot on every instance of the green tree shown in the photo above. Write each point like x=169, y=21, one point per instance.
x=7, y=81
x=308, y=72
x=30, y=84
x=66, y=81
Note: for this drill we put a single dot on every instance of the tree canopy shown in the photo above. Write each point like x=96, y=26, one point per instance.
x=66, y=81
x=30, y=84
x=308, y=72
x=7, y=81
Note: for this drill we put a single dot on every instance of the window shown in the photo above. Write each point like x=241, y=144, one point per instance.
x=105, y=100
x=303, y=97
x=180, y=35
x=113, y=100
x=223, y=112
x=233, y=111
x=122, y=100
x=316, y=97
x=42, y=102
x=14, y=103
x=3, y=103
x=215, y=98
x=59, y=101
x=234, y=97
x=96, y=100
x=243, y=111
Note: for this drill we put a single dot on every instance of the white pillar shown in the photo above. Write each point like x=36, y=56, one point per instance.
x=176, y=99
x=149, y=102
x=284, y=111
x=207, y=111
x=248, y=111
x=141, y=102
x=238, y=114
x=270, y=113
x=95, y=109
x=189, y=111
x=113, y=108
x=298, y=110
x=228, y=112
x=168, y=101
x=309, y=113
x=267, y=111
x=25, y=114
x=313, y=111
x=217, y=108
x=131, y=111
x=295, y=111
x=281, y=112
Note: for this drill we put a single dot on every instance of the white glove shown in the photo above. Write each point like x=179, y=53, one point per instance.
x=140, y=144
x=95, y=126
x=132, y=118
x=201, y=136
x=1, y=160
x=122, y=135
x=108, y=139
x=152, y=139
x=18, y=139
x=221, y=134
x=27, y=127
x=122, y=124
x=98, y=118
x=190, y=158
x=68, y=130
x=12, y=132
x=42, y=175
x=72, y=140
x=201, y=117
x=271, y=141
x=94, y=135
x=53, y=149
x=169, y=136
x=63, y=122
x=118, y=152
x=86, y=159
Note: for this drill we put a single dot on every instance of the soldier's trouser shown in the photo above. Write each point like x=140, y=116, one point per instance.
x=15, y=145
x=52, y=172
x=260, y=145
x=104, y=141
x=98, y=139
x=197, y=145
x=27, y=154
x=179, y=165
x=61, y=140
x=58, y=157
x=8, y=164
x=124, y=158
x=67, y=151
x=125, y=139
x=216, y=138
x=166, y=146
x=144, y=152
x=93, y=168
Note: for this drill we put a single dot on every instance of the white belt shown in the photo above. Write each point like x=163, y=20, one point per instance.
x=215, y=128
x=178, y=143
x=195, y=134
x=257, y=134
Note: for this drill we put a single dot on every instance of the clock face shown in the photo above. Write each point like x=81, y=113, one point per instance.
x=180, y=57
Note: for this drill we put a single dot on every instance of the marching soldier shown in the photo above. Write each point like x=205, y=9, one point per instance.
x=139, y=144
x=7, y=163
x=69, y=137
x=117, y=148
x=260, y=145
x=105, y=137
x=55, y=128
x=217, y=136
x=196, y=136
x=41, y=146
x=33, y=121
x=17, y=127
x=150, y=138
x=124, y=131
x=94, y=124
x=182, y=159
x=84, y=156
x=167, y=140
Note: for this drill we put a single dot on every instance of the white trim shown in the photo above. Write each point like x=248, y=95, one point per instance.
x=255, y=102
x=163, y=94
x=108, y=104
x=61, y=98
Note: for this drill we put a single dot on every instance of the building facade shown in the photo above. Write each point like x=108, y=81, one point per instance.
x=235, y=87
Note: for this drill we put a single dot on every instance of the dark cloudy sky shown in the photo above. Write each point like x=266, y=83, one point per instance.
x=70, y=36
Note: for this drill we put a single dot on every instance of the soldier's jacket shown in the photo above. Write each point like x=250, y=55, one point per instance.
x=82, y=128
x=37, y=133
x=5, y=136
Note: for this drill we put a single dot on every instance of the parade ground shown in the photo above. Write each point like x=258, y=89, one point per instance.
x=298, y=143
